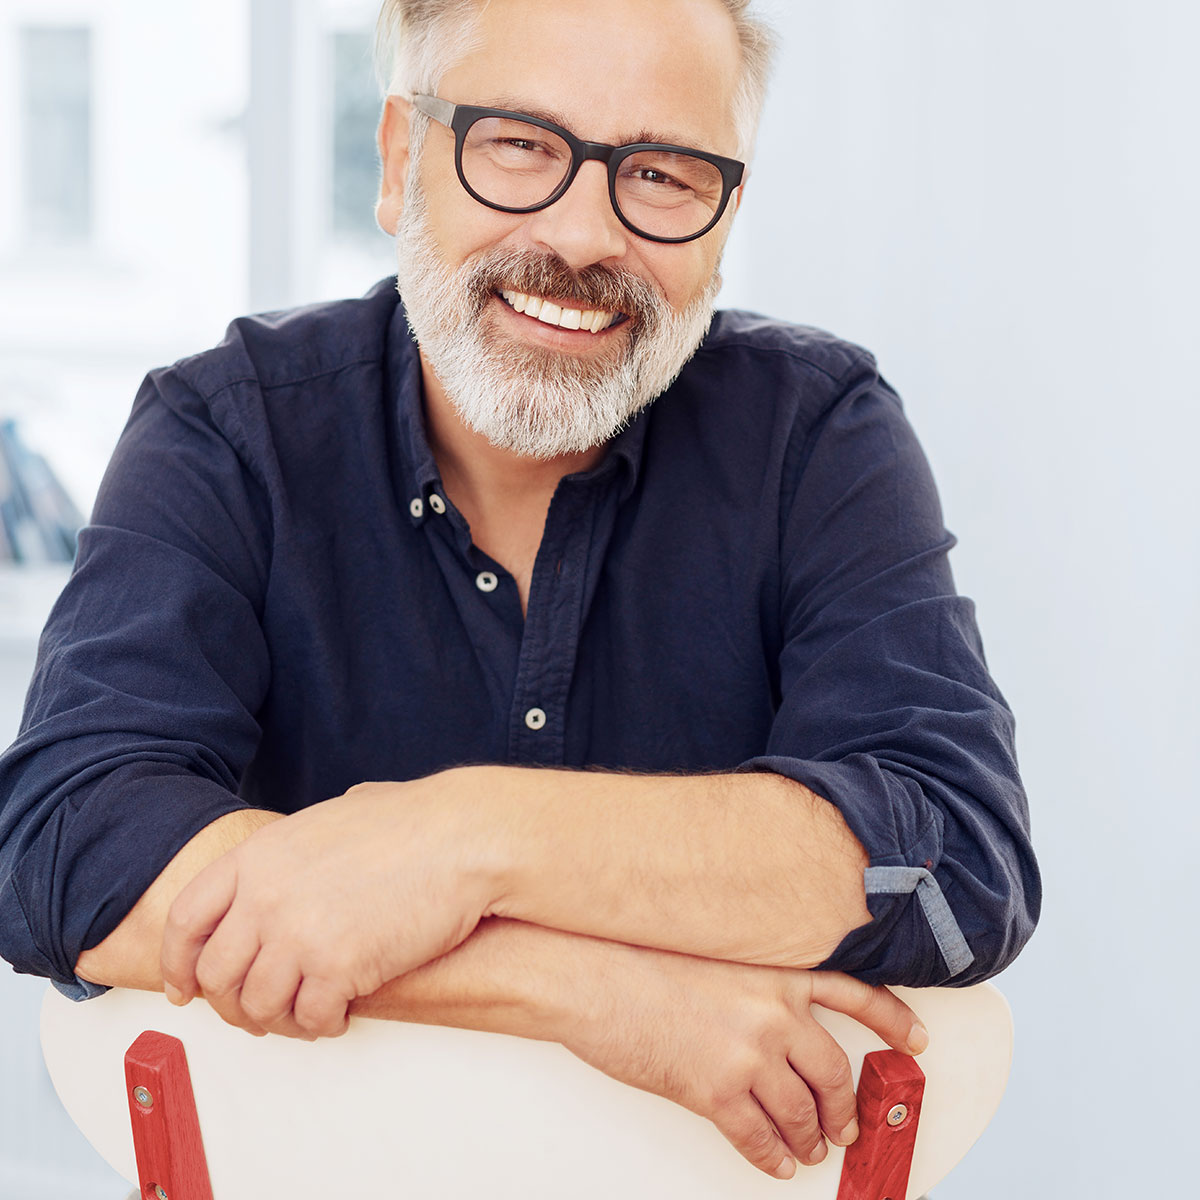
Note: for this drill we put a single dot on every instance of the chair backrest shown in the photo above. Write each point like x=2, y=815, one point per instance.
x=431, y=1113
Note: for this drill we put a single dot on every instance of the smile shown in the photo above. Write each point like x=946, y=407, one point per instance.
x=549, y=312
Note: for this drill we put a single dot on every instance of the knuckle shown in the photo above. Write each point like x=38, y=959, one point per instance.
x=712, y=1099
x=263, y=1012
x=726, y=1090
x=835, y=1074
x=761, y=1143
x=179, y=915
x=800, y=1117
x=310, y=1017
x=212, y=979
x=886, y=1006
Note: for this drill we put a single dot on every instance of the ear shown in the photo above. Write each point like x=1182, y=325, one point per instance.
x=735, y=201
x=394, y=124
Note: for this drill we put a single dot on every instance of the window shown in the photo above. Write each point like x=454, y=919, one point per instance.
x=355, y=114
x=56, y=120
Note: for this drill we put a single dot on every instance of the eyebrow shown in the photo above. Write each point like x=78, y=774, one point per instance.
x=660, y=137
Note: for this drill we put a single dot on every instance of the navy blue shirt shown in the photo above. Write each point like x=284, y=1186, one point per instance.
x=275, y=600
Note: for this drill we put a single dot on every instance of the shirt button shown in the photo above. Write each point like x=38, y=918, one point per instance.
x=485, y=581
x=417, y=508
x=437, y=503
x=535, y=718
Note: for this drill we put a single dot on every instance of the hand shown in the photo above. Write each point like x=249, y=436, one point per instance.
x=739, y=1045
x=311, y=911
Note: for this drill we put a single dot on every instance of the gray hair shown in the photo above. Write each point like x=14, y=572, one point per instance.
x=418, y=41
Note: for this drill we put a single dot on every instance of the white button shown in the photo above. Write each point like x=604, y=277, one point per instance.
x=437, y=503
x=417, y=508
x=485, y=581
x=535, y=718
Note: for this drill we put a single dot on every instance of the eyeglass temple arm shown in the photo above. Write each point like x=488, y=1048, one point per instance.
x=432, y=106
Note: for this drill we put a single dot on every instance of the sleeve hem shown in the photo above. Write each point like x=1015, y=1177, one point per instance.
x=902, y=881
x=80, y=990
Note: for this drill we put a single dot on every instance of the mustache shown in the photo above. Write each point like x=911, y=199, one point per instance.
x=596, y=287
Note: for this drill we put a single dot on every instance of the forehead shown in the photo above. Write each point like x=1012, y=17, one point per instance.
x=614, y=71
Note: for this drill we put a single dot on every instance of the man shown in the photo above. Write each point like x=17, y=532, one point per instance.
x=474, y=565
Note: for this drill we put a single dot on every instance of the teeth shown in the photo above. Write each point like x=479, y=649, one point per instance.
x=550, y=313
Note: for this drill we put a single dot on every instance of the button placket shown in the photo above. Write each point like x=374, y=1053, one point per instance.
x=553, y=622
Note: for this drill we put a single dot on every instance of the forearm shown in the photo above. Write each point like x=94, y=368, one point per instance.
x=129, y=956
x=749, y=868
x=507, y=977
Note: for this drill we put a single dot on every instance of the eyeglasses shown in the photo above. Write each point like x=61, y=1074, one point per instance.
x=519, y=164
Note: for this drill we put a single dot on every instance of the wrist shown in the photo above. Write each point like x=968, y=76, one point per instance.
x=485, y=833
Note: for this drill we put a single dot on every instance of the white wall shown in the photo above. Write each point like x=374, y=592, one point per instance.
x=1002, y=202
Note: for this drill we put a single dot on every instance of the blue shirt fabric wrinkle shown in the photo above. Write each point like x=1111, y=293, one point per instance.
x=275, y=600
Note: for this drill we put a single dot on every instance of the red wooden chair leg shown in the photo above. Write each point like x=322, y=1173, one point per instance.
x=890, y=1089
x=166, y=1129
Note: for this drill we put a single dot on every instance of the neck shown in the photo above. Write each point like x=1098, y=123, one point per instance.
x=503, y=496
x=478, y=475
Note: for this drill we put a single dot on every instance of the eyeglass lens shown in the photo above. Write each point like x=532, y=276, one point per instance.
x=516, y=164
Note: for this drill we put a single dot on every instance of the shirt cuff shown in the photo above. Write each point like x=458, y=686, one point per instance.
x=914, y=937
x=81, y=989
x=903, y=881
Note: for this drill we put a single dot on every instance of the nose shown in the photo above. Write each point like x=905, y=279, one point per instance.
x=580, y=226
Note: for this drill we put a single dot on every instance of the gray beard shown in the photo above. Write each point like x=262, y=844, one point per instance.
x=526, y=399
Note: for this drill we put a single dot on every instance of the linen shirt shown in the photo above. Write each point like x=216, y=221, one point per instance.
x=276, y=600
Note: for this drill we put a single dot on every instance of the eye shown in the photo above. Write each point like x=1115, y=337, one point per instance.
x=511, y=144
x=526, y=144
x=653, y=175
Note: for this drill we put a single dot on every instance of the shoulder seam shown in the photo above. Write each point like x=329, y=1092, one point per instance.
x=856, y=358
x=289, y=382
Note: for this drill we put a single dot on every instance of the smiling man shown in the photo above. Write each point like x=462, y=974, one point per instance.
x=642, y=617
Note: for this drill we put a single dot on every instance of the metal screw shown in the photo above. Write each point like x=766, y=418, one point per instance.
x=897, y=1115
x=143, y=1097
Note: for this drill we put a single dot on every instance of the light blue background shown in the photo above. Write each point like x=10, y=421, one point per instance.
x=1000, y=201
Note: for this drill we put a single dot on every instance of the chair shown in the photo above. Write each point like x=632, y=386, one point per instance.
x=431, y=1113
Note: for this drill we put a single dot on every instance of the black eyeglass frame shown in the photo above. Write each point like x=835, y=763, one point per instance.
x=460, y=117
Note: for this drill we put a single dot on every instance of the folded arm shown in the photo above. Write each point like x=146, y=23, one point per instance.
x=335, y=901
x=734, y=1043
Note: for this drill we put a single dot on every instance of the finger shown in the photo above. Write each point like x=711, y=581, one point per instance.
x=752, y=1135
x=228, y=1007
x=227, y=956
x=787, y=1101
x=875, y=1007
x=822, y=1064
x=270, y=987
x=226, y=1003
x=321, y=1009
x=191, y=919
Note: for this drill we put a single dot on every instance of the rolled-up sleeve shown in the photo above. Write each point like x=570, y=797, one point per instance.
x=887, y=709
x=140, y=717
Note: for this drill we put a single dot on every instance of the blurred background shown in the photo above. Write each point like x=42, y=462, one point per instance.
x=999, y=200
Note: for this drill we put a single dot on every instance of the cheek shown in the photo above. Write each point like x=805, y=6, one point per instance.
x=463, y=227
x=685, y=276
